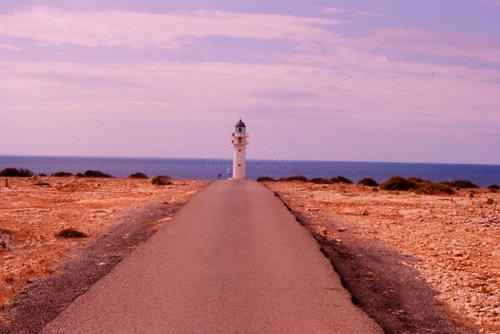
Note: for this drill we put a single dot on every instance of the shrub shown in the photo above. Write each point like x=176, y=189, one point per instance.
x=265, y=179
x=494, y=187
x=14, y=172
x=94, y=173
x=368, y=182
x=418, y=180
x=62, y=174
x=138, y=176
x=432, y=188
x=398, y=183
x=70, y=233
x=295, y=178
x=461, y=184
x=341, y=179
x=162, y=180
x=320, y=180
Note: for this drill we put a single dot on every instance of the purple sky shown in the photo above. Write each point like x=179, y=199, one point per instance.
x=371, y=80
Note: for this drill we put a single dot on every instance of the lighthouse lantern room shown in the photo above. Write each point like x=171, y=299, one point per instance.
x=240, y=142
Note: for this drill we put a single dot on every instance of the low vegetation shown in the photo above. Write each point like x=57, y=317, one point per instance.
x=369, y=182
x=162, y=180
x=297, y=178
x=265, y=179
x=461, y=184
x=494, y=187
x=433, y=188
x=398, y=183
x=14, y=172
x=341, y=179
x=418, y=185
x=138, y=176
x=320, y=180
x=94, y=173
x=62, y=174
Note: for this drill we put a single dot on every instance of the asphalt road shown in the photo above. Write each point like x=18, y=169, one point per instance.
x=232, y=261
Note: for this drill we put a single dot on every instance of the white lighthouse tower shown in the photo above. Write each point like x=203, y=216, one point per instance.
x=240, y=142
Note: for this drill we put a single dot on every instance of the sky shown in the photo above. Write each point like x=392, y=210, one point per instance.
x=360, y=80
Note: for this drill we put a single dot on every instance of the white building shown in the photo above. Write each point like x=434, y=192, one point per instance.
x=240, y=142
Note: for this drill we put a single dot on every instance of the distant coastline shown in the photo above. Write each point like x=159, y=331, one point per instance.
x=483, y=175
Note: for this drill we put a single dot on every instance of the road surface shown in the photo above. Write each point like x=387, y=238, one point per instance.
x=232, y=261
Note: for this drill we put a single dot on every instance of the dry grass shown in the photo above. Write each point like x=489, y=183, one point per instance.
x=35, y=215
x=456, y=238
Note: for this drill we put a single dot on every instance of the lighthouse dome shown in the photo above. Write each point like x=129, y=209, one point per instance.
x=240, y=124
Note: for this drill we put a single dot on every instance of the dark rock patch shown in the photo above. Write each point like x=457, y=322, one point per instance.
x=70, y=233
x=5, y=238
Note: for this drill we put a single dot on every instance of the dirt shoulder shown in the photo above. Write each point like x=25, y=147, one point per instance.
x=41, y=273
x=415, y=263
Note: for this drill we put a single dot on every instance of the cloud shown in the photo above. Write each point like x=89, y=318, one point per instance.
x=332, y=11
x=9, y=47
x=168, y=30
x=145, y=109
x=421, y=43
x=398, y=82
x=335, y=11
x=418, y=46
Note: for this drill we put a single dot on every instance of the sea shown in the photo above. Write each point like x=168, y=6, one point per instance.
x=209, y=169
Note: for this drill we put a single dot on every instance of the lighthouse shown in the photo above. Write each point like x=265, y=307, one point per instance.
x=240, y=142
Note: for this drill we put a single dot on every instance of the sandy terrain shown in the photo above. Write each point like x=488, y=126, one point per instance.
x=31, y=215
x=455, y=239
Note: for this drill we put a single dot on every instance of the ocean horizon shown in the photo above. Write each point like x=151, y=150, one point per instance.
x=187, y=168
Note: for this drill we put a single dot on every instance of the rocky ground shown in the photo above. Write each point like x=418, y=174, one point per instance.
x=452, y=242
x=33, y=211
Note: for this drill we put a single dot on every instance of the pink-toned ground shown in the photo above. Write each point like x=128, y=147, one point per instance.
x=31, y=215
x=455, y=238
